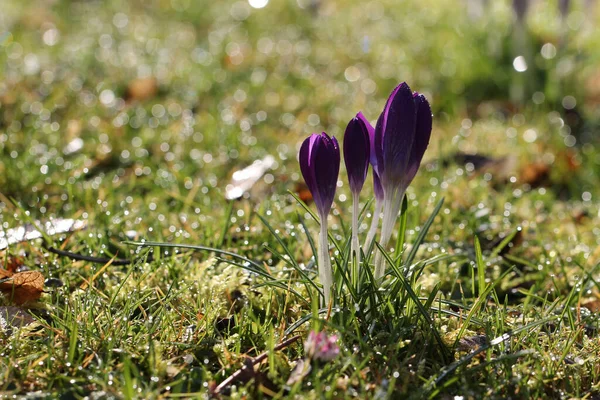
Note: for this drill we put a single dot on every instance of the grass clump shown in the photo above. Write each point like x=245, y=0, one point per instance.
x=133, y=118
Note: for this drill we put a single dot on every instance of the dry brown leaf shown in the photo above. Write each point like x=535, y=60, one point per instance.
x=74, y=128
x=14, y=317
x=303, y=192
x=142, y=89
x=535, y=174
x=593, y=89
x=300, y=371
x=591, y=304
x=472, y=343
x=22, y=287
x=13, y=264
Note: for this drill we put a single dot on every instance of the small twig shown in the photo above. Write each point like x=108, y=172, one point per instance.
x=81, y=257
x=252, y=362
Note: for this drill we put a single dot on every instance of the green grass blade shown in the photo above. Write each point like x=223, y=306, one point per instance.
x=292, y=328
x=448, y=371
x=422, y=310
x=478, y=303
x=480, y=267
x=421, y=237
x=291, y=258
x=305, y=207
x=504, y=242
x=309, y=237
x=226, y=224
x=402, y=229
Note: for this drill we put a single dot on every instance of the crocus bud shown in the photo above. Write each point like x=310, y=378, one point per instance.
x=356, y=156
x=401, y=137
x=356, y=152
x=422, y=135
x=563, y=8
x=520, y=8
x=320, y=166
x=377, y=188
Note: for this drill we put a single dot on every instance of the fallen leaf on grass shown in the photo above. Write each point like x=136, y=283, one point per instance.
x=262, y=382
x=500, y=168
x=300, y=371
x=303, y=192
x=580, y=215
x=30, y=232
x=536, y=174
x=591, y=304
x=5, y=274
x=73, y=146
x=243, y=179
x=472, y=343
x=593, y=89
x=13, y=317
x=12, y=264
x=142, y=89
x=22, y=287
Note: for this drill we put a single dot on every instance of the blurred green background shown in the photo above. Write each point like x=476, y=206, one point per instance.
x=102, y=98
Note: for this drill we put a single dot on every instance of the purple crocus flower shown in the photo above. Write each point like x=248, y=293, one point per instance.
x=320, y=166
x=563, y=8
x=357, y=151
x=377, y=188
x=401, y=137
x=356, y=156
x=520, y=8
x=423, y=128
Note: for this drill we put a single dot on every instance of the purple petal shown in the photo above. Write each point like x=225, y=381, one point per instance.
x=397, y=129
x=324, y=169
x=307, y=165
x=422, y=136
x=377, y=188
x=336, y=154
x=371, y=130
x=520, y=7
x=377, y=149
x=356, y=153
x=381, y=127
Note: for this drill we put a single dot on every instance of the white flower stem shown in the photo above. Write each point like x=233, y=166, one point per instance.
x=354, y=245
x=374, y=224
x=325, y=273
x=391, y=204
